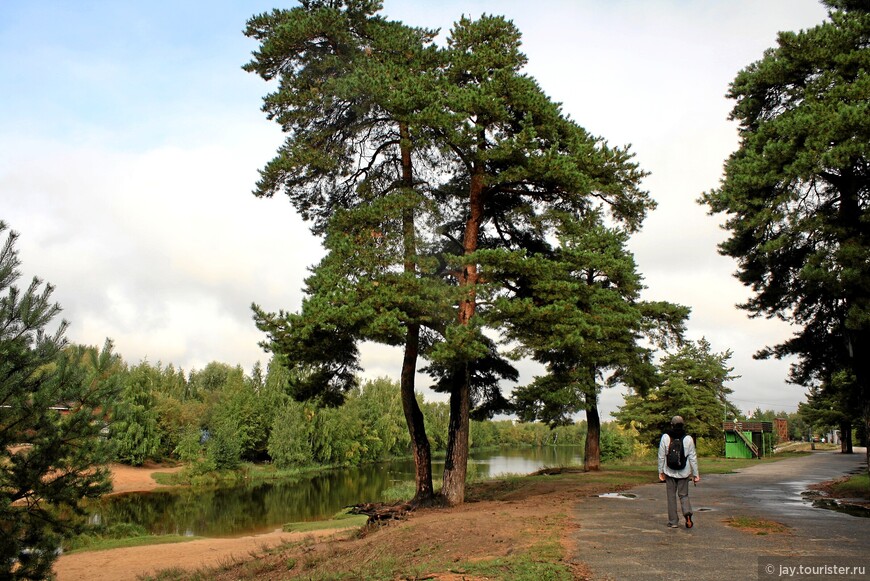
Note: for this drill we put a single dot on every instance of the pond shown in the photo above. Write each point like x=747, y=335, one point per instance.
x=265, y=506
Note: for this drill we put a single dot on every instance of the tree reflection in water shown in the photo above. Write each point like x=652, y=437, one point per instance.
x=266, y=506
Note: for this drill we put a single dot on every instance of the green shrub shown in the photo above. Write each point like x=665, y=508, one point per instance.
x=289, y=442
x=710, y=446
x=223, y=448
x=615, y=444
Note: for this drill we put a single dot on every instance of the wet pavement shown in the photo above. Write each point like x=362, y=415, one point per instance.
x=620, y=537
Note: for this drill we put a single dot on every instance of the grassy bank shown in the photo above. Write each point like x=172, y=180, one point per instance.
x=857, y=486
x=247, y=472
x=119, y=536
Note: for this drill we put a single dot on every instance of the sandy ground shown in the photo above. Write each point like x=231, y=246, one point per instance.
x=134, y=562
x=136, y=479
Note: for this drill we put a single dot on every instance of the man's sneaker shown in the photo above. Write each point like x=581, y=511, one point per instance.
x=673, y=526
x=689, y=523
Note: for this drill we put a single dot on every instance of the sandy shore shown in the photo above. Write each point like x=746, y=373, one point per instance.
x=132, y=562
x=137, y=479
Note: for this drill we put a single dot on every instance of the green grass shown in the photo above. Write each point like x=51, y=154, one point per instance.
x=100, y=544
x=247, y=472
x=720, y=465
x=706, y=464
x=166, y=478
x=543, y=562
x=857, y=486
x=179, y=574
x=758, y=526
x=340, y=521
x=118, y=536
x=399, y=492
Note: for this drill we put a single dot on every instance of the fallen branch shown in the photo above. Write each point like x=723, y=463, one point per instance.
x=381, y=512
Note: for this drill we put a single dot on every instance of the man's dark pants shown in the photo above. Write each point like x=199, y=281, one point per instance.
x=677, y=487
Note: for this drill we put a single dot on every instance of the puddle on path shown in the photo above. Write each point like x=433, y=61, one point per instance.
x=842, y=506
x=820, y=499
x=627, y=495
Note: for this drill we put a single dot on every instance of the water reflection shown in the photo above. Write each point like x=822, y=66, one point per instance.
x=247, y=509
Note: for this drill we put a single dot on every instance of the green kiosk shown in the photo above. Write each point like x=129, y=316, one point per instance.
x=748, y=439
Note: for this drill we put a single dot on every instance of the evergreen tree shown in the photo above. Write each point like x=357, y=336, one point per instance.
x=577, y=310
x=356, y=91
x=52, y=407
x=825, y=410
x=693, y=386
x=134, y=431
x=351, y=85
x=514, y=154
x=797, y=196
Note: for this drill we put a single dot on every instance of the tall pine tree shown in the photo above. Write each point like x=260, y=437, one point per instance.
x=352, y=87
x=693, y=386
x=53, y=401
x=797, y=197
x=410, y=161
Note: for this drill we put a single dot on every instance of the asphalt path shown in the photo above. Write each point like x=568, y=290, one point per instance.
x=622, y=538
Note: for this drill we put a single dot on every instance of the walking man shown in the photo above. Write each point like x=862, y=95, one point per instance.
x=678, y=462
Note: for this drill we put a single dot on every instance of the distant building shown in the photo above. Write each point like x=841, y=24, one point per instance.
x=780, y=426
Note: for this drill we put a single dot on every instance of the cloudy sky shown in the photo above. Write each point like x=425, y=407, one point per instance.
x=130, y=141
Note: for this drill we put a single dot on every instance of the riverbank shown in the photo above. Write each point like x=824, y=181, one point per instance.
x=142, y=561
x=515, y=522
x=512, y=528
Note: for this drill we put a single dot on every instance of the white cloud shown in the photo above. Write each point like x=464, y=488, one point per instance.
x=162, y=251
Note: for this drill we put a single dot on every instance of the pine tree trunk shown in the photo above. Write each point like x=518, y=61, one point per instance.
x=592, y=454
x=846, y=437
x=858, y=344
x=456, y=463
x=420, y=447
x=414, y=418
